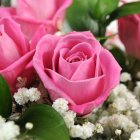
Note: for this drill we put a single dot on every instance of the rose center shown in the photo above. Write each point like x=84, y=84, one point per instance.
x=78, y=56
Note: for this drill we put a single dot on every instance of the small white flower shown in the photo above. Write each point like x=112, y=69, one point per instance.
x=69, y=117
x=118, y=132
x=118, y=121
x=2, y=120
x=25, y=95
x=88, y=129
x=21, y=96
x=13, y=3
x=99, y=128
x=125, y=77
x=137, y=91
x=60, y=105
x=120, y=104
x=33, y=94
x=9, y=131
x=29, y=125
x=135, y=135
x=76, y=131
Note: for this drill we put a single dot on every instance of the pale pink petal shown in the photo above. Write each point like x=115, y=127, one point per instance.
x=129, y=33
x=6, y=12
x=9, y=52
x=13, y=30
x=29, y=27
x=74, y=89
x=39, y=10
x=12, y=72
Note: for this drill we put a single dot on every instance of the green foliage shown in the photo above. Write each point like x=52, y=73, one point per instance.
x=96, y=15
x=5, y=98
x=48, y=124
x=101, y=8
x=125, y=10
x=120, y=57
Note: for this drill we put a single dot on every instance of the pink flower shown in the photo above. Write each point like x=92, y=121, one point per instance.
x=33, y=13
x=77, y=68
x=15, y=52
x=129, y=33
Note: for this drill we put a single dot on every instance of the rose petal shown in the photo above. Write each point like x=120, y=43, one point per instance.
x=13, y=71
x=74, y=89
x=40, y=10
x=65, y=68
x=9, y=51
x=6, y=11
x=13, y=30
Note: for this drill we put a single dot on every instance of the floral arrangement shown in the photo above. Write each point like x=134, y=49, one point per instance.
x=68, y=71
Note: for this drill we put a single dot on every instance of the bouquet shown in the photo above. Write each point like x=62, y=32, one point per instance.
x=69, y=70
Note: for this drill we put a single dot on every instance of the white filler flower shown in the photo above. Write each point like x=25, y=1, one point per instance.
x=8, y=130
x=125, y=77
x=25, y=95
x=60, y=105
x=135, y=135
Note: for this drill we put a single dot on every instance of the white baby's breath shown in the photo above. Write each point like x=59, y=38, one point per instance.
x=33, y=94
x=118, y=121
x=60, y=105
x=118, y=132
x=9, y=130
x=125, y=77
x=29, y=125
x=24, y=95
x=21, y=96
x=135, y=135
x=69, y=117
x=2, y=120
x=76, y=131
x=88, y=129
x=99, y=128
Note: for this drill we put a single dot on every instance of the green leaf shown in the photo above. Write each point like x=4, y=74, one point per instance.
x=125, y=10
x=120, y=57
x=5, y=98
x=78, y=17
x=77, y=14
x=99, y=9
x=48, y=124
x=7, y=2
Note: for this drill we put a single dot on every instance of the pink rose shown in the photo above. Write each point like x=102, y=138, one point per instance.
x=77, y=68
x=129, y=33
x=33, y=13
x=15, y=52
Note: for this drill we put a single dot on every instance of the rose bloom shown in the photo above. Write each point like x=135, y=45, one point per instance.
x=129, y=33
x=15, y=52
x=33, y=13
x=76, y=67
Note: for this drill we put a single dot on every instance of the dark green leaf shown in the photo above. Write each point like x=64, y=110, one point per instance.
x=127, y=9
x=120, y=57
x=48, y=124
x=99, y=9
x=79, y=19
x=5, y=98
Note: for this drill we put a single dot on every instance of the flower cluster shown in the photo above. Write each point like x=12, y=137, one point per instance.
x=8, y=130
x=25, y=95
x=84, y=131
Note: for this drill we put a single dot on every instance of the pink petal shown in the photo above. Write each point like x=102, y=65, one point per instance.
x=13, y=30
x=39, y=10
x=9, y=51
x=13, y=71
x=74, y=89
x=6, y=11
